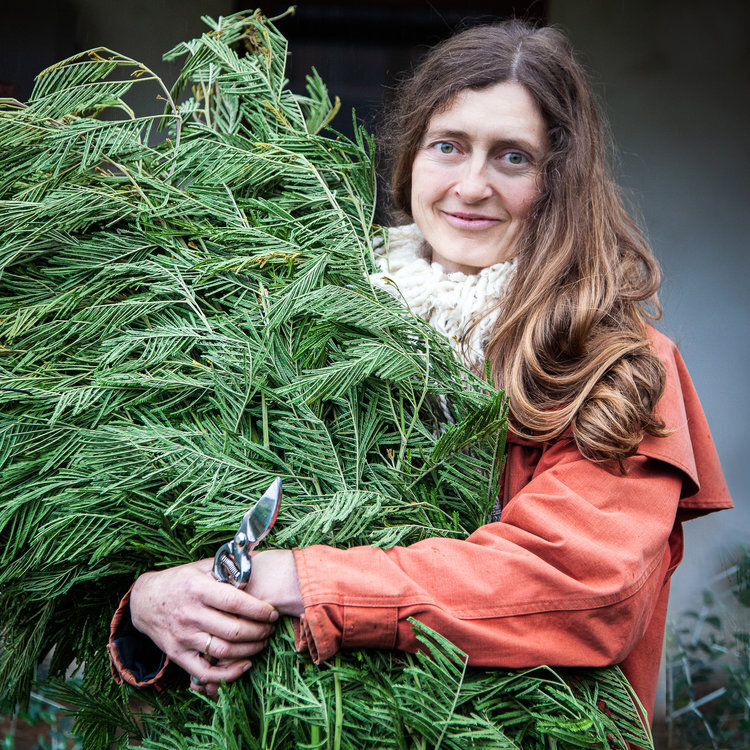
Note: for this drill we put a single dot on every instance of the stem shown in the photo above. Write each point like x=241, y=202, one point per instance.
x=355, y=430
x=160, y=83
x=417, y=408
x=316, y=484
x=132, y=179
x=288, y=12
x=264, y=411
x=339, y=710
x=207, y=100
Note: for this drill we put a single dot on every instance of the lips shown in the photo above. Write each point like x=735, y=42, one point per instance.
x=469, y=221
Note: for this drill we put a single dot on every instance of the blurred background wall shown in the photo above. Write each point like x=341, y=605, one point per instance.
x=674, y=77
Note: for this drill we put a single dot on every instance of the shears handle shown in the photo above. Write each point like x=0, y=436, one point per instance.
x=225, y=569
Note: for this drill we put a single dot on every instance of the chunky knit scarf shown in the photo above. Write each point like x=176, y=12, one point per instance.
x=449, y=302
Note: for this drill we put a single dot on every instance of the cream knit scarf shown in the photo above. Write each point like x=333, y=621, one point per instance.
x=449, y=302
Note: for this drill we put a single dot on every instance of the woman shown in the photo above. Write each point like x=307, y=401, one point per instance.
x=523, y=254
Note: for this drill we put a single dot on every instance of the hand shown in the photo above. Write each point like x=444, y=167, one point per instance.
x=274, y=580
x=179, y=608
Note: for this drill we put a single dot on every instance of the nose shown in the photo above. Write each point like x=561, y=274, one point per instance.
x=473, y=184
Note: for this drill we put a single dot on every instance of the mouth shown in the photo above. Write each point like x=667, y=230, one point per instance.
x=469, y=220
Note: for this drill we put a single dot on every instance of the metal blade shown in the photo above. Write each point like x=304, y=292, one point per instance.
x=259, y=520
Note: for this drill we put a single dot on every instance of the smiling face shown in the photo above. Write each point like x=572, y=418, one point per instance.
x=476, y=175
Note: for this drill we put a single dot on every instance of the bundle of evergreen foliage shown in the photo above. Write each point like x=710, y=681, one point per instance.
x=179, y=324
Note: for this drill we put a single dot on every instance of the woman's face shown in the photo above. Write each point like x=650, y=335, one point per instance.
x=476, y=175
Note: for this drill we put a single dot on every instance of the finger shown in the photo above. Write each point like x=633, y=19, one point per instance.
x=202, y=672
x=227, y=628
x=219, y=650
x=206, y=564
x=227, y=598
x=209, y=689
x=224, y=651
x=197, y=686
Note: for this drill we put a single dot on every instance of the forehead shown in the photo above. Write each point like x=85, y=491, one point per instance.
x=503, y=111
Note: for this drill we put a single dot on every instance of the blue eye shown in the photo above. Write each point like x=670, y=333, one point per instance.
x=444, y=147
x=515, y=157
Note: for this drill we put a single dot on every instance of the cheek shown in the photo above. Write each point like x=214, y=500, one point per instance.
x=420, y=209
x=524, y=197
x=427, y=182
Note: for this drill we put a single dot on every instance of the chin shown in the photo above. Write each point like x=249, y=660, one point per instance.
x=477, y=260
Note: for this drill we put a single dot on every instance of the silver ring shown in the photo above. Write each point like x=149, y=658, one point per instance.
x=208, y=645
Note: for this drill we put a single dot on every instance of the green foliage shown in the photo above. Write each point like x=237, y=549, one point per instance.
x=179, y=323
x=708, y=670
x=376, y=700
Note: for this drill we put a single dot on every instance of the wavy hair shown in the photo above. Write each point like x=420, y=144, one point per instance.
x=570, y=346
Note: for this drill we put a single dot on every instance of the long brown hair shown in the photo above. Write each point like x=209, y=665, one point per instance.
x=570, y=346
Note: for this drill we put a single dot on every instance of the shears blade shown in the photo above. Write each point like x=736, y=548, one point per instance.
x=259, y=520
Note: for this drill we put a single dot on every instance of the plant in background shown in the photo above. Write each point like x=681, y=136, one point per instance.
x=182, y=321
x=49, y=723
x=708, y=669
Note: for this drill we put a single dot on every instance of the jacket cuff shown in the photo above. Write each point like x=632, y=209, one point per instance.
x=329, y=622
x=133, y=657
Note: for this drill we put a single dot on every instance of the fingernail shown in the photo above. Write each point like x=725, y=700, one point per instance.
x=274, y=615
x=247, y=666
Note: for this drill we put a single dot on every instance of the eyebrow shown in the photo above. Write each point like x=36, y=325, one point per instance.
x=511, y=142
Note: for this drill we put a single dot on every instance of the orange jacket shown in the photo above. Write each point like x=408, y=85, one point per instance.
x=576, y=572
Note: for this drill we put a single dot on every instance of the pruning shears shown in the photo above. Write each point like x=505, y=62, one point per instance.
x=232, y=562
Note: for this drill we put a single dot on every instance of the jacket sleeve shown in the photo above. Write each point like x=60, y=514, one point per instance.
x=567, y=577
x=133, y=657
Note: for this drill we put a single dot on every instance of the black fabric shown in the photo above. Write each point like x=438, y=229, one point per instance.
x=137, y=652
